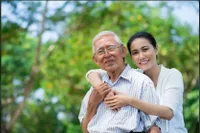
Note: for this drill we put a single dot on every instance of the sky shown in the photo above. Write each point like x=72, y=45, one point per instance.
x=183, y=10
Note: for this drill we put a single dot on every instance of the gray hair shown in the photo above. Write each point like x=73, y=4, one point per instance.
x=103, y=33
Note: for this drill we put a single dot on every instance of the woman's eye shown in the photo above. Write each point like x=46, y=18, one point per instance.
x=145, y=49
x=134, y=53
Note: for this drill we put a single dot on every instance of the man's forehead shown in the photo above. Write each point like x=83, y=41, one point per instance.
x=105, y=39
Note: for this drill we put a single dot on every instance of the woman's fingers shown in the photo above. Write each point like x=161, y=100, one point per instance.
x=110, y=98
x=115, y=108
x=116, y=92
x=110, y=102
x=112, y=105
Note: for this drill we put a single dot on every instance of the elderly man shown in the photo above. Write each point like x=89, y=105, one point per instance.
x=95, y=117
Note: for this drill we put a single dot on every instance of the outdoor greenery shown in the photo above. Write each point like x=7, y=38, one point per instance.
x=56, y=69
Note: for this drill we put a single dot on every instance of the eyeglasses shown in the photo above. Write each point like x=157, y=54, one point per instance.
x=110, y=48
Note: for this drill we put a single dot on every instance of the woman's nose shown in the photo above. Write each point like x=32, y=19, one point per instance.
x=141, y=55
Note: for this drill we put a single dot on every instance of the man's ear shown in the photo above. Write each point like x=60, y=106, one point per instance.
x=124, y=51
x=94, y=59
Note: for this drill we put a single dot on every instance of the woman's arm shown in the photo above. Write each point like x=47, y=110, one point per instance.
x=94, y=78
x=163, y=112
x=120, y=100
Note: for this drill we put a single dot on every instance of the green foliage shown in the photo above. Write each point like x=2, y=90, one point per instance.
x=63, y=74
x=191, y=111
x=15, y=48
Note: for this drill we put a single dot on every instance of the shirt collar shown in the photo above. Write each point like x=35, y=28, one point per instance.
x=125, y=75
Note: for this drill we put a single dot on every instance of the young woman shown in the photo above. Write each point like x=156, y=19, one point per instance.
x=168, y=83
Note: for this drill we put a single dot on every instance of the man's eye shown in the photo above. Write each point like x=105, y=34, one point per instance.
x=111, y=48
x=100, y=52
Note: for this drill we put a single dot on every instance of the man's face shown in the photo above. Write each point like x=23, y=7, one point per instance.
x=108, y=53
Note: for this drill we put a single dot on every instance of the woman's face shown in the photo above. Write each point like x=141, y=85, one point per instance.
x=143, y=53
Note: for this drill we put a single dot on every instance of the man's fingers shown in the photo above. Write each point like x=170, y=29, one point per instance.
x=101, y=88
x=105, y=87
x=106, y=92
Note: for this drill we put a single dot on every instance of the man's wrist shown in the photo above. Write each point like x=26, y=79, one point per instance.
x=155, y=129
x=92, y=105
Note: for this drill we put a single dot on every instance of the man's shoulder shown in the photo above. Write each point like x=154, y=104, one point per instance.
x=136, y=72
x=137, y=75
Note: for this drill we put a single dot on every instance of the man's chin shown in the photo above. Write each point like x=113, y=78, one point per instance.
x=109, y=68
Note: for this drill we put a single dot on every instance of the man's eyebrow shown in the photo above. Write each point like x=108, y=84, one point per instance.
x=99, y=48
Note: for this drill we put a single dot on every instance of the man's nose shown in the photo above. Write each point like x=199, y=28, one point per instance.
x=106, y=53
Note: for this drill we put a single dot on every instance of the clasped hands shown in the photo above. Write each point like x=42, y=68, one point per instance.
x=113, y=99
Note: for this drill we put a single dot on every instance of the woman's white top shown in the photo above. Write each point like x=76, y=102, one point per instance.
x=170, y=89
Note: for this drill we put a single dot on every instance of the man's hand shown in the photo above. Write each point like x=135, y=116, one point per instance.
x=154, y=129
x=99, y=93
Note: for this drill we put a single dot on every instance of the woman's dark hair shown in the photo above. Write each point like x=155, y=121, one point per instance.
x=141, y=34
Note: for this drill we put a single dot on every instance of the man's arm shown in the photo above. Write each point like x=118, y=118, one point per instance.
x=91, y=111
x=95, y=99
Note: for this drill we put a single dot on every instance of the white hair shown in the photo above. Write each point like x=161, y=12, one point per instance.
x=103, y=33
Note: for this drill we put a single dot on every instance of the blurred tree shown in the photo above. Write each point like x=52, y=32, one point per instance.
x=62, y=75
x=28, y=85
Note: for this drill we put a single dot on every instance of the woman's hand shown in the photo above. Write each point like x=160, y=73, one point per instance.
x=111, y=94
x=117, y=101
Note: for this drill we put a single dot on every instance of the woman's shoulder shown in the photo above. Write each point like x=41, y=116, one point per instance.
x=171, y=78
x=170, y=71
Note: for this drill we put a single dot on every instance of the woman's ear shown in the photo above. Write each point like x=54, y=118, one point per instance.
x=156, y=49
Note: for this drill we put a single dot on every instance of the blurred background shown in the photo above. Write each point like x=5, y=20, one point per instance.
x=46, y=52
